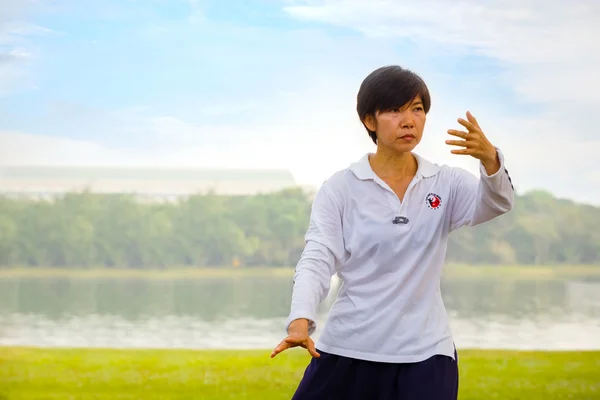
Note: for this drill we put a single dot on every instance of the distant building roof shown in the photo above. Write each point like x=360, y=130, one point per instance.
x=40, y=180
x=125, y=173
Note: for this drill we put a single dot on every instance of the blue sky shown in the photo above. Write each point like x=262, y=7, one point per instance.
x=266, y=83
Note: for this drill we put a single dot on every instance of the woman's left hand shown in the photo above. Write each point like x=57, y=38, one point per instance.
x=475, y=144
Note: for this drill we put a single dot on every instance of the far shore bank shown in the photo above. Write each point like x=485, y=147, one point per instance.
x=452, y=271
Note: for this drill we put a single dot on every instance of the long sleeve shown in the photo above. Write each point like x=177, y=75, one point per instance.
x=324, y=248
x=476, y=201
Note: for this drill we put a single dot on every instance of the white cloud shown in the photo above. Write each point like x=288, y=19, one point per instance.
x=197, y=15
x=299, y=139
x=492, y=27
x=554, y=45
x=297, y=131
x=549, y=53
x=16, y=51
x=17, y=148
x=13, y=74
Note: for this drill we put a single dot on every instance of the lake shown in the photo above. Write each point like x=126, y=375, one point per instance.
x=250, y=311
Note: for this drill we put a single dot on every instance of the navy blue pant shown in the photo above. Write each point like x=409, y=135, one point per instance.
x=332, y=377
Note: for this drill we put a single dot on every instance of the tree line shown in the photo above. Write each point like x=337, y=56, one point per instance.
x=118, y=231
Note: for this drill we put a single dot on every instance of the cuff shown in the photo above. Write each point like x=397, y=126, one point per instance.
x=312, y=325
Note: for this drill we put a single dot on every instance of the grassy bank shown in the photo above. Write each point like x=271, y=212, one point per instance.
x=219, y=375
x=520, y=272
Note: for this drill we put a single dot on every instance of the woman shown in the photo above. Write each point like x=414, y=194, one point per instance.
x=382, y=225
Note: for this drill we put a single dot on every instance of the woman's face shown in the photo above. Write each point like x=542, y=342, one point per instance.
x=400, y=129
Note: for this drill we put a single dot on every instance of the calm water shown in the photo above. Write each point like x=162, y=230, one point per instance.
x=250, y=313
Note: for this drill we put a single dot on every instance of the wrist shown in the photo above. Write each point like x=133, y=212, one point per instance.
x=298, y=325
x=491, y=156
x=491, y=163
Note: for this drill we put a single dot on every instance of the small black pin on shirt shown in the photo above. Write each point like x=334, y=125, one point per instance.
x=400, y=220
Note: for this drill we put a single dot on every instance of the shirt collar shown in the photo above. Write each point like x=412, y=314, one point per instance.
x=363, y=171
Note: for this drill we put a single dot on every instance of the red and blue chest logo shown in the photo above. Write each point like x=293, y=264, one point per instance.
x=433, y=201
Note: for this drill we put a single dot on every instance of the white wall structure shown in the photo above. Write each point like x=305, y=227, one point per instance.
x=149, y=183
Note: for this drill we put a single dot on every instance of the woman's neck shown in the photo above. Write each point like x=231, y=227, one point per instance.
x=391, y=164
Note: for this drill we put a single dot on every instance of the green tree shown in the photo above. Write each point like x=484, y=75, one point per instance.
x=119, y=231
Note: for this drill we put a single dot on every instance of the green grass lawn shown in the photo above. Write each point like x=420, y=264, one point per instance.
x=27, y=373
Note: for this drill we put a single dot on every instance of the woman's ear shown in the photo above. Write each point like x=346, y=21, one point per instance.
x=370, y=122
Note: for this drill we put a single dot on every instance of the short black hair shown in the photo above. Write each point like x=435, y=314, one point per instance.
x=388, y=88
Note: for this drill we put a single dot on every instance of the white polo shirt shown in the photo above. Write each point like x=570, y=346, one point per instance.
x=389, y=257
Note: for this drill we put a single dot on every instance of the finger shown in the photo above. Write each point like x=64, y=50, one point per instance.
x=278, y=350
x=281, y=347
x=472, y=119
x=463, y=143
x=471, y=127
x=461, y=134
x=311, y=349
x=461, y=151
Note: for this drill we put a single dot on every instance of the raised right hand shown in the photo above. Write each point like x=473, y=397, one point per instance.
x=297, y=336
